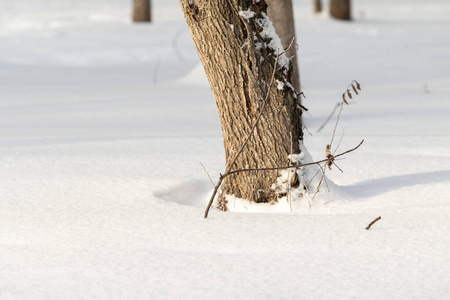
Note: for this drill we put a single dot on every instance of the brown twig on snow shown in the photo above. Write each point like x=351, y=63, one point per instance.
x=373, y=222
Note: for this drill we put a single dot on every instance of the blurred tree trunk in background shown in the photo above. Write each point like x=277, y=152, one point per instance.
x=141, y=11
x=281, y=14
x=238, y=49
x=340, y=9
x=317, y=6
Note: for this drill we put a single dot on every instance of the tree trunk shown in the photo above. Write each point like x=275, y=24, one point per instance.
x=317, y=6
x=282, y=16
x=141, y=11
x=238, y=48
x=340, y=9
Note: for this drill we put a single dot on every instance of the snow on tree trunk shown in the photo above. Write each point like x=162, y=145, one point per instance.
x=141, y=11
x=281, y=14
x=237, y=45
x=340, y=9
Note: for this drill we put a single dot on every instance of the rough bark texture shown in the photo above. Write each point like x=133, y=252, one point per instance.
x=238, y=57
x=282, y=16
x=340, y=9
x=317, y=6
x=141, y=11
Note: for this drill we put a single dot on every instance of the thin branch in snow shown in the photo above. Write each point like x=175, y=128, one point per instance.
x=208, y=175
x=373, y=222
x=294, y=166
x=340, y=140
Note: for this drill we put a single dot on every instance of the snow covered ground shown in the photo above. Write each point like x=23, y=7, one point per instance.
x=103, y=124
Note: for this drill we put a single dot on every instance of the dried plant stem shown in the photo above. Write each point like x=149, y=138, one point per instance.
x=294, y=166
x=322, y=180
x=337, y=122
x=340, y=140
x=208, y=175
x=216, y=188
x=312, y=178
x=373, y=222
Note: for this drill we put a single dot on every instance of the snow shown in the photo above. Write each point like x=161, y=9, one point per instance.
x=280, y=84
x=103, y=124
x=267, y=32
x=247, y=14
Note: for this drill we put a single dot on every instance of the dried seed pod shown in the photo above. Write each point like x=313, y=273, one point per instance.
x=354, y=89
x=329, y=156
x=329, y=164
x=327, y=151
x=349, y=94
x=343, y=98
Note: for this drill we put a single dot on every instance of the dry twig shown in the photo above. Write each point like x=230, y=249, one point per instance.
x=207, y=174
x=293, y=166
x=373, y=222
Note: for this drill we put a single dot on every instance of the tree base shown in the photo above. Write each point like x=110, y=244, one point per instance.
x=295, y=190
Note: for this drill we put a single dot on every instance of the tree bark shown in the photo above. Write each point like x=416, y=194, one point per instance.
x=340, y=9
x=238, y=51
x=141, y=11
x=281, y=14
x=317, y=6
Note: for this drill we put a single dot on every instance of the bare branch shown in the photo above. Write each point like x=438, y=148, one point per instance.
x=373, y=222
x=312, y=178
x=342, y=136
x=322, y=180
x=337, y=167
x=293, y=166
x=288, y=48
x=216, y=188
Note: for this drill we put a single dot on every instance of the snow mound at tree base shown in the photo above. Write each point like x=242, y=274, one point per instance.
x=190, y=192
x=196, y=193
